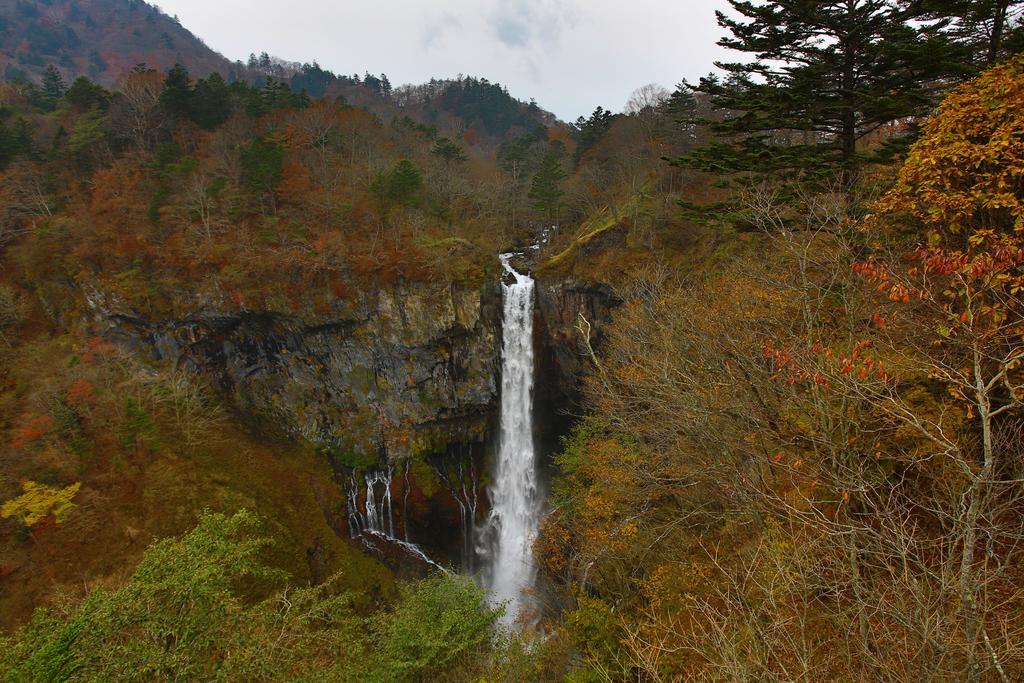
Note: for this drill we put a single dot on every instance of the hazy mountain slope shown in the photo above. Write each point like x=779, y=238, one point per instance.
x=98, y=38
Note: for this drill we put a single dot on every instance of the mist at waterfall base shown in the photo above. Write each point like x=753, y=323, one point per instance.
x=508, y=534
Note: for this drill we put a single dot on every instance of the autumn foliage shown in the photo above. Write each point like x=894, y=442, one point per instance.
x=39, y=501
x=965, y=174
x=809, y=461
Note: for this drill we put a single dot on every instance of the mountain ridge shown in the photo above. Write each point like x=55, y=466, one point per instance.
x=122, y=34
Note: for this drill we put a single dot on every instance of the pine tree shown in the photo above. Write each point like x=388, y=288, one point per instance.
x=404, y=183
x=176, y=96
x=211, y=102
x=85, y=94
x=824, y=76
x=448, y=151
x=678, y=113
x=52, y=88
x=9, y=147
x=262, y=165
x=545, y=188
x=589, y=131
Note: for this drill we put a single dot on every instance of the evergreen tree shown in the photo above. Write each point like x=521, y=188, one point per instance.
x=985, y=30
x=14, y=140
x=87, y=139
x=52, y=88
x=23, y=136
x=522, y=155
x=824, y=76
x=211, y=102
x=589, y=131
x=279, y=95
x=313, y=79
x=262, y=165
x=485, y=106
x=85, y=94
x=8, y=145
x=448, y=151
x=176, y=96
x=545, y=188
x=404, y=182
x=678, y=113
x=402, y=185
x=372, y=82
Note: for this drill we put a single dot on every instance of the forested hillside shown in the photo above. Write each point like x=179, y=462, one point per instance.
x=171, y=198
x=104, y=40
x=251, y=340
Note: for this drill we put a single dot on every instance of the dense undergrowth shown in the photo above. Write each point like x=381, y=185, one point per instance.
x=191, y=610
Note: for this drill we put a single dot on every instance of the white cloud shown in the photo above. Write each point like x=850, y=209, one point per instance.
x=436, y=28
x=531, y=23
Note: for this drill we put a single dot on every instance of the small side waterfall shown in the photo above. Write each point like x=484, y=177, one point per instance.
x=515, y=510
x=378, y=516
x=461, y=480
x=374, y=518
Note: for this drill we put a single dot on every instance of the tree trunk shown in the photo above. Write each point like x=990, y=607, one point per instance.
x=995, y=40
x=969, y=535
x=848, y=136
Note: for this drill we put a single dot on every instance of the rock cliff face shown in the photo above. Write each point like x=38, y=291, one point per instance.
x=561, y=345
x=403, y=372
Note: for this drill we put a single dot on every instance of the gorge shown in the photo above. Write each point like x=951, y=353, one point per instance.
x=420, y=397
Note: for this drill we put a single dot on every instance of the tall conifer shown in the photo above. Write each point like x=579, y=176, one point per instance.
x=821, y=76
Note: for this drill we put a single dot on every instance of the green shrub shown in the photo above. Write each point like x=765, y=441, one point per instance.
x=191, y=611
x=167, y=621
x=138, y=425
x=439, y=622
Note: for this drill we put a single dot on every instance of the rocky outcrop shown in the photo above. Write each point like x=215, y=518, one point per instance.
x=560, y=343
x=403, y=371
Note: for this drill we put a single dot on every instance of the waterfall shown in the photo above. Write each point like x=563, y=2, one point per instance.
x=514, y=507
x=379, y=516
x=506, y=539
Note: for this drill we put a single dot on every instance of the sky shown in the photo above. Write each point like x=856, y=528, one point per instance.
x=570, y=55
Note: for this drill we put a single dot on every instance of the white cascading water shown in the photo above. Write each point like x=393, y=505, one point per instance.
x=375, y=518
x=513, y=493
